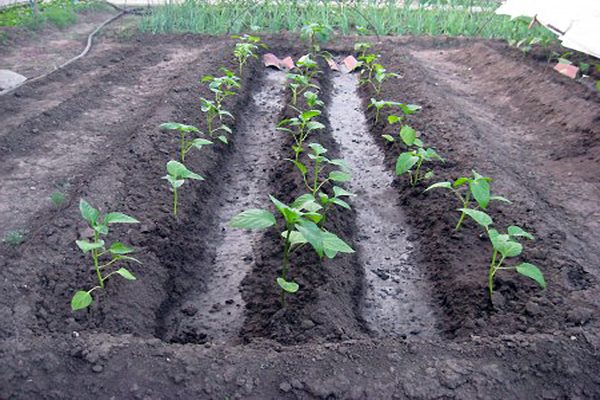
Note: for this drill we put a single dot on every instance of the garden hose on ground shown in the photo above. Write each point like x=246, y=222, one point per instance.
x=135, y=11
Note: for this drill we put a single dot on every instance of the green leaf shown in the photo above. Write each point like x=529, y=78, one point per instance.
x=445, y=185
x=533, y=272
x=119, y=218
x=405, y=162
x=500, y=198
x=479, y=216
x=314, y=125
x=392, y=119
x=295, y=237
x=81, y=300
x=119, y=248
x=307, y=115
x=333, y=245
x=89, y=213
x=102, y=229
x=315, y=217
x=388, y=138
x=515, y=231
x=301, y=167
x=198, y=143
x=290, y=287
x=317, y=148
x=460, y=181
x=410, y=108
x=86, y=246
x=339, y=163
x=339, y=192
x=179, y=127
x=306, y=202
x=125, y=274
x=127, y=258
x=481, y=191
x=339, y=176
x=253, y=219
x=313, y=234
x=408, y=135
x=341, y=203
x=504, y=244
x=223, y=139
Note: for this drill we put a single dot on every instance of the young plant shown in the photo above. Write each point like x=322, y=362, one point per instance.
x=367, y=64
x=315, y=182
x=476, y=188
x=244, y=50
x=414, y=158
x=381, y=75
x=312, y=99
x=298, y=83
x=99, y=249
x=212, y=110
x=379, y=104
x=186, y=144
x=362, y=49
x=299, y=227
x=307, y=66
x=59, y=198
x=302, y=126
x=221, y=87
x=505, y=246
x=177, y=173
x=315, y=32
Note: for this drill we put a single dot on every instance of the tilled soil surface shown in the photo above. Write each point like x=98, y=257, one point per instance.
x=405, y=316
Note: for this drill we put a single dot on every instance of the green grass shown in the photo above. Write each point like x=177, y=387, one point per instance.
x=59, y=13
x=384, y=17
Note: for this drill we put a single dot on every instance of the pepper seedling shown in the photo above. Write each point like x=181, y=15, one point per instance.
x=303, y=125
x=98, y=249
x=186, y=145
x=298, y=83
x=244, y=50
x=177, y=173
x=379, y=104
x=313, y=33
x=505, y=246
x=362, y=48
x=312, y=99
x=477, y=187
x=307, y=66
x=381, y=75
x=221, y=87
x=316, y=182
x=299, y=227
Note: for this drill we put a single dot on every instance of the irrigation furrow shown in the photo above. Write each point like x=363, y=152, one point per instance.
x=214, y=312
x=396, y=300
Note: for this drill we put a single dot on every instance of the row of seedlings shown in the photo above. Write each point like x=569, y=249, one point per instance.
x=473, y=192
x=105, y=257
x=304, y=221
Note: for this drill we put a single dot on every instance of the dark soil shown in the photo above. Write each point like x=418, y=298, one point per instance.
x=190, y=327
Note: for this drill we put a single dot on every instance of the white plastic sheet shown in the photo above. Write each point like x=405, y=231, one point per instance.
x=577, y=22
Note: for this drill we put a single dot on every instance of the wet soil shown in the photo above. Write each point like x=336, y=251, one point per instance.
x=405, y=316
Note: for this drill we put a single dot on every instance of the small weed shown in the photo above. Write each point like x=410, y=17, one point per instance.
x=14, y=238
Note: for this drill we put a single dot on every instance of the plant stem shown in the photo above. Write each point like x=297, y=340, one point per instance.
x=462, y=215
x=286, y=260
x=491, y=275
x=174, y=201
x=95, y=257
x=182, y=147
x=416, y=177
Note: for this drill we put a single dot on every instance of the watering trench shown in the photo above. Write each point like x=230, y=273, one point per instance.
x=214, y=311
x=396, y=301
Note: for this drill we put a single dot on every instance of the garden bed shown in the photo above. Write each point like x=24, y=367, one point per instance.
x=405, y=316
